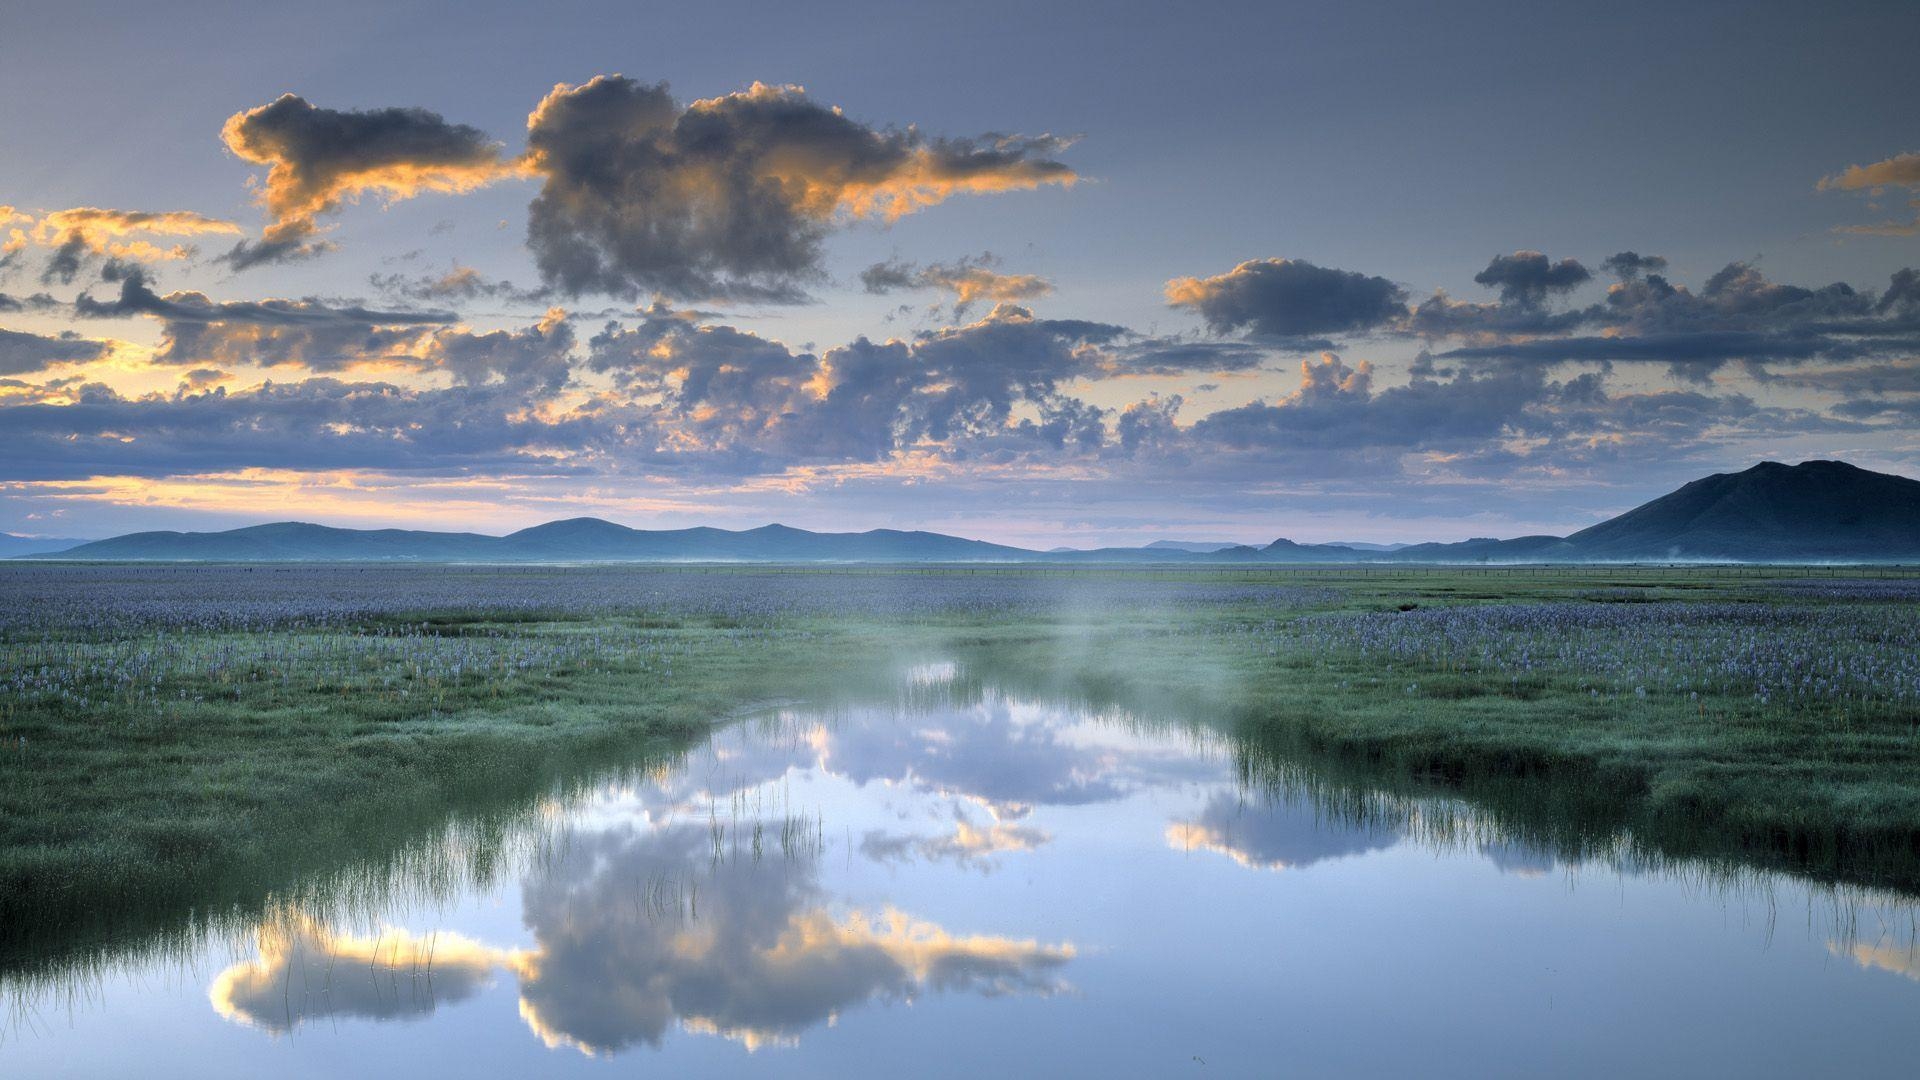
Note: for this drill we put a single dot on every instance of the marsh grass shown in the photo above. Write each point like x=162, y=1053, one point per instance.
x=187, y=751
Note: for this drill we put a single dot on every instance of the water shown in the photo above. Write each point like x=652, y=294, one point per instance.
x=964, y=882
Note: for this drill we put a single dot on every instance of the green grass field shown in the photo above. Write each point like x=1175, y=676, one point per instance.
x=185, y=744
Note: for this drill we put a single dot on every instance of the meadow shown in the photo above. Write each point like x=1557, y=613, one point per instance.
x=181, y=743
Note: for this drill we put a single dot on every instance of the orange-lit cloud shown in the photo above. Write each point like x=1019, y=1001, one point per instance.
x=82, y=231
x=1901, y=170
x=1900, y=959
x=970, y=280
x=317, y=158
x=118, y=232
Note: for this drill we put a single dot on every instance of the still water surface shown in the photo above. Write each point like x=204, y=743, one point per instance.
x=963, y=884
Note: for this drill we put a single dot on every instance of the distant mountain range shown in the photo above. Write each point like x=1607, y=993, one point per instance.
x=1198, y=547
x=1815, y=511
x=11, y=545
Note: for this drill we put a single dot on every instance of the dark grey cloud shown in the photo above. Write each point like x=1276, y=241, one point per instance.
x=22, y=352
x=295, y=244
x=137, y=297
x=1738, y=314
x=1902, y=294
x=1631, y=265
x=1528, y=278
x=309, y=333
x=731, y=197
x=1291, y=302
x=37, y=302
x=1151, y=424
x=68, y=257
x=1336, y=408
x=1441, y=316
x=457, y=284
x=538, y=358
x=315, y=424
x=1176, y=356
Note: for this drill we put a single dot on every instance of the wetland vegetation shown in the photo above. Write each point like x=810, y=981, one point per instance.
x=187, y=744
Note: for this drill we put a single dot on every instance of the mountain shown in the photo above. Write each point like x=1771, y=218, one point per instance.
x=573, y=540
x=1814, y=511
x=11, y=545
x=1811, y=511
x=1198, y=547
x=289, y=541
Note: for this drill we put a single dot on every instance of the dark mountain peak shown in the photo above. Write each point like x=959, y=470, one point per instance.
x=1813, y=510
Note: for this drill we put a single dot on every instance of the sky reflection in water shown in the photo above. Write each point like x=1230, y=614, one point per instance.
x=977, y=882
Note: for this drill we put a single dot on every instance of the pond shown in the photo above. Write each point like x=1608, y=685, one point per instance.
x=965, y=881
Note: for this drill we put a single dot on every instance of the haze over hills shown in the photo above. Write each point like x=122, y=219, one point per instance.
x=1814, y=511
x=11, y=545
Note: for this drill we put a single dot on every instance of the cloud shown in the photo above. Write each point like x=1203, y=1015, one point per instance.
x=81, y=233
x=1889, y=955
x=138, y=298
x=1902, y=295
x=1901, y=170
x=317, y=424
x=22, y=352
x=1631, y=265
x=754, y=956
x=459, y=283
x=1290, y=301
x=1178, y=356
x=36, y=302
x=969, y=845
x=308, y=333
x=317, y=158
x=1441, y=316
x=731, y=197
x=675, y=397
x=1739, y=314
x=1527, y=278
x=1336, y=408
x=767, y=405
x=970, y=280
x=392, y=975
x=1285, y=834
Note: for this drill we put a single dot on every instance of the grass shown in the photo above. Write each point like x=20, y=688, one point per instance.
x=169, y=763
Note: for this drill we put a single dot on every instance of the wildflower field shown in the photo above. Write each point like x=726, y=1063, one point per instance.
x=179, y=740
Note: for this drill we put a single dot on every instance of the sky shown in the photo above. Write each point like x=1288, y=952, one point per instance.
x=1061, y=274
